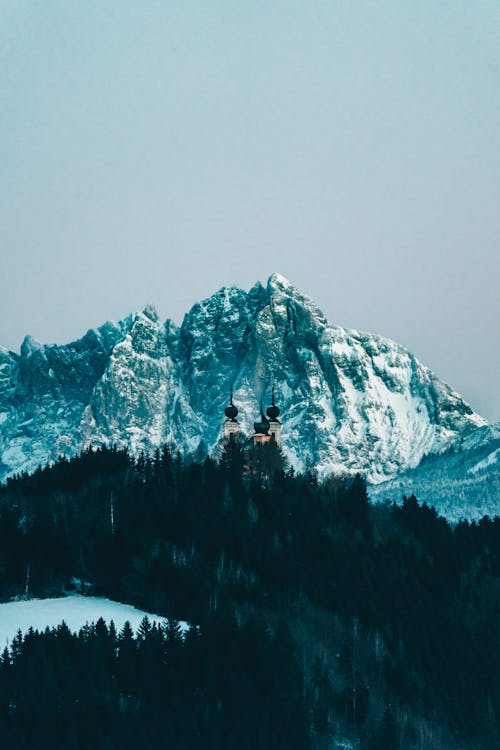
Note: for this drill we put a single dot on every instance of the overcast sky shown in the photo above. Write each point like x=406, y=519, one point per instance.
x=155, y=151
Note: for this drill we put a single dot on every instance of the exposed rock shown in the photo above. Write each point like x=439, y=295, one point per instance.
x=350, y=401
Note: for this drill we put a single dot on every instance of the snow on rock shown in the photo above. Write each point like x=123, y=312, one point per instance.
x=350, y=401
x=75, y=610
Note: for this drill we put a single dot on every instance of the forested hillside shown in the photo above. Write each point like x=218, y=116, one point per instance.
x=318, y=614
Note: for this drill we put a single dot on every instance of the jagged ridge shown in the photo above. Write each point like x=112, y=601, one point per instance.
x=351, y=401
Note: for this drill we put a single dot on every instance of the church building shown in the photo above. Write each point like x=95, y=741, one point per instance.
x=267, y=428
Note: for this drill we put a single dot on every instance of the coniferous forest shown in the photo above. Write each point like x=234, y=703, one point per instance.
x=316, y=616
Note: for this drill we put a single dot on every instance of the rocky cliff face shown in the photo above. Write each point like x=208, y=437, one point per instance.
x=350, y=401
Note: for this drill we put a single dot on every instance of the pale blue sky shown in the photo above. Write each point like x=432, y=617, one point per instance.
x=155, y=151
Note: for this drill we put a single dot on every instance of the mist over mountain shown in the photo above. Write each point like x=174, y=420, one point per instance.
x=350, y=401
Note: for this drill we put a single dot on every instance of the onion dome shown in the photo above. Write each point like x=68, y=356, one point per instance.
x=262, y=427
x=273, y=411
x=231, y=411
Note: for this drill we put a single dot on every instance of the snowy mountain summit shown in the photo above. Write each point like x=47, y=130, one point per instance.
x=350, y=401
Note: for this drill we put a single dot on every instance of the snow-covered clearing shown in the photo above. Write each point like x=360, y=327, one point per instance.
x=75, y=610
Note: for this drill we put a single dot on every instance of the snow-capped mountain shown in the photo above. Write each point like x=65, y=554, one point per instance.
x=350, y=401
x=462, y=482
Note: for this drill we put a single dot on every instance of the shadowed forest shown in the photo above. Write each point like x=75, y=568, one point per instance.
x=317, y=617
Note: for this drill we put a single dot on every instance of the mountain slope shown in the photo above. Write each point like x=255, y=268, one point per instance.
x=350, y=401
x=462, y=482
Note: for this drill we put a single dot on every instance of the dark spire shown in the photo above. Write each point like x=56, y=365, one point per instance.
x=231, y=411
x=273, y=411
x=262, y=427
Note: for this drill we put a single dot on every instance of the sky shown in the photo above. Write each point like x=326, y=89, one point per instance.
x=154, y=151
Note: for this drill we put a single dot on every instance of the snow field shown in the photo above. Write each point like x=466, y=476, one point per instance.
x=75, y=610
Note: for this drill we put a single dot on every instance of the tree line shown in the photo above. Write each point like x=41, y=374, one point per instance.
x=228, y=687
x=393, y=613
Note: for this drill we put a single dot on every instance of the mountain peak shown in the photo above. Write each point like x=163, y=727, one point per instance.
x=280, y=290
x=277, y=282
x=151, y=313
x=350, y=403
x=30, y=345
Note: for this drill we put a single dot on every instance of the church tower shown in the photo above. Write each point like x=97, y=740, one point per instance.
x=261, y=429
x=275, y=425
x=231, y=425
x=266, y=429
